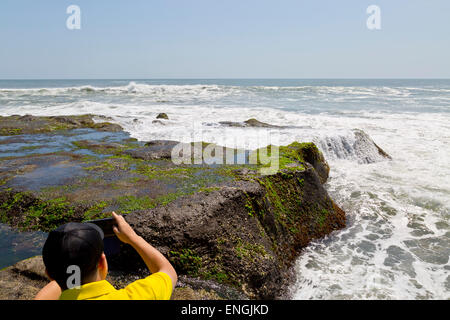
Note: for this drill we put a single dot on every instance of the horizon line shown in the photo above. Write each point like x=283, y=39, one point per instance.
x=183, y=78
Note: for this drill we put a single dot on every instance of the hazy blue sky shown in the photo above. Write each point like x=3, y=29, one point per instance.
x=225, y=39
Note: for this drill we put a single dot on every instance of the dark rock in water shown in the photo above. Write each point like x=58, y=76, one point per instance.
x=162, y=116
x=158, y=122
x=248, y=123
x=156, y=149
x=232, y=124
x=357, y=146
x=253, y=123
x=366, y=148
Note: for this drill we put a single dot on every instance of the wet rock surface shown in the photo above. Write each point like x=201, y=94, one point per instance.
x=230, y=231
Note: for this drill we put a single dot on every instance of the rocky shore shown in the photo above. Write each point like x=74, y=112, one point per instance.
x=231, y=232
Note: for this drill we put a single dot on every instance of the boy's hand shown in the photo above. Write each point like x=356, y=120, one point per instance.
x=123, y=230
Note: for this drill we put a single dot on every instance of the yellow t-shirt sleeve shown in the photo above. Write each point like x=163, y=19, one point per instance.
x=157, y=286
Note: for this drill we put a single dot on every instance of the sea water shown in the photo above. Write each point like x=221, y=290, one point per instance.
x=396, y=244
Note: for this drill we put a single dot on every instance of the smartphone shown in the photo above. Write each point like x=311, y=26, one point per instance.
x=106, y=225
x=110, y=241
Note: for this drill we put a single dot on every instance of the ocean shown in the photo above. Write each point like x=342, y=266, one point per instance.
x=397, y=241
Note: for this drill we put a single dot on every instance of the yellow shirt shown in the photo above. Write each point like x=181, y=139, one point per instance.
x=157, y=286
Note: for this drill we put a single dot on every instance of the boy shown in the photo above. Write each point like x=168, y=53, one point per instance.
x=79, y=246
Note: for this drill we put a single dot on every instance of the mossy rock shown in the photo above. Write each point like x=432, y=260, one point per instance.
x=162, y=116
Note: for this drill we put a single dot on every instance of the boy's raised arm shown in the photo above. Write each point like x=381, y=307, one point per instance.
x=154, y=260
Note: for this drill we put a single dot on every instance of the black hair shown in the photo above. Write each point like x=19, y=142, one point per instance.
x=73, y=244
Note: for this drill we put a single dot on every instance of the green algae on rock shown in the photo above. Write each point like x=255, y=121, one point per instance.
x=28, y=124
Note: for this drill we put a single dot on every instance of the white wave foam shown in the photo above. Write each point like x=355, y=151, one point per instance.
x=131, y=88
x=145, y=88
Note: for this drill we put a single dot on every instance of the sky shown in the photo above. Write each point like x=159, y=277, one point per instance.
x=145, y=39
